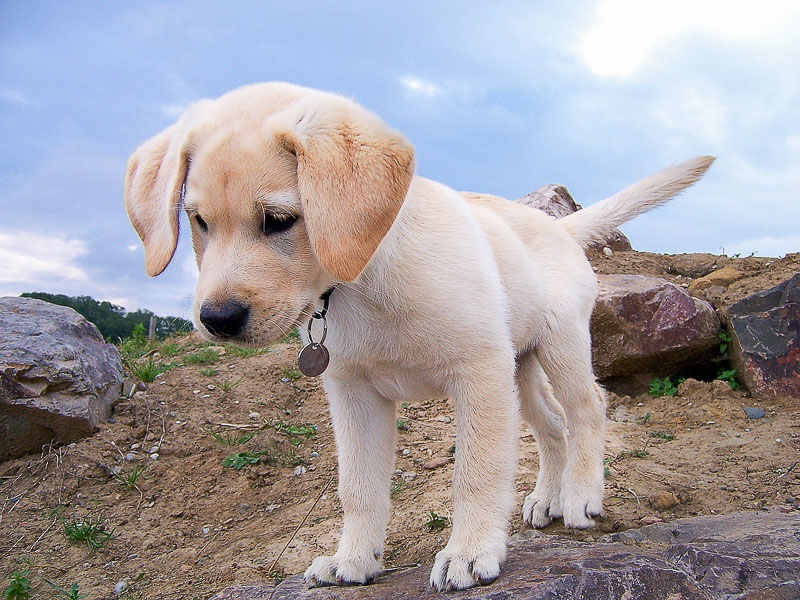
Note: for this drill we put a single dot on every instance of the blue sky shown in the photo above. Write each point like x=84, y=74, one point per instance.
x=498, y=97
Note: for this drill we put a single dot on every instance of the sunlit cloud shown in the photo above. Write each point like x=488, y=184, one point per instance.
x=627, y=32
x=421, y=87
x=33, y=258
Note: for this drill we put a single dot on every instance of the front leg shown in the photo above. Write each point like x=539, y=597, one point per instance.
x=487, y=428
x=364, y=425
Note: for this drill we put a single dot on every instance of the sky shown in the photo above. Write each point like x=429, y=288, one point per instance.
x=499, y=97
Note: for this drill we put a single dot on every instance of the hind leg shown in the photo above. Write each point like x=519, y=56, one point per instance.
x=546, y=419
x=566, y=359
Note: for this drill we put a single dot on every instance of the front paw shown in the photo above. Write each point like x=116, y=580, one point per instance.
x=580, y=504
x=540, y=508
x=336, y=570
x=462, y=570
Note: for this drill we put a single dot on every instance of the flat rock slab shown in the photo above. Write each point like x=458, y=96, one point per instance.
x=765, y=332
x=58, y=377
x=643, y=324
x=743, y=556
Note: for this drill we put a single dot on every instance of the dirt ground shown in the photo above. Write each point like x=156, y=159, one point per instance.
x=191, y=526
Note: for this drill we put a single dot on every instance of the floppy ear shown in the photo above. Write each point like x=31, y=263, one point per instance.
x=353, y=173
x=153, y=182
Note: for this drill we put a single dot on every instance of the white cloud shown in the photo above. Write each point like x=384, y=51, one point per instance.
x=693, y=114
x=16, y=97
x=421, y=87
x=627, y=32
x=30, y=257
x=132, y=247
x=765, y=245
x=172, y=111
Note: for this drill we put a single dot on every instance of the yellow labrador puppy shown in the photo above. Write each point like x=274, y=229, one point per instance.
x=292, y=191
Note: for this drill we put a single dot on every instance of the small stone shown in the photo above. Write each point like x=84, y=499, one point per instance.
x=607, y=251
x=406, y=452
x=135, y=446
x=284, y=380
x=206, y=396
x=206, y=529
x=254, y=415
x=650, y=520
x=754, y=412
x=132, y=556
x=778, y=440
x=789, y=500
x=154, y=449
x=195, y=392
x=154, y=456
x=724, y=488
x=436, y=462
x=409, y=476
x=664, y=500
x=299, y=470
x=131, y=457
x=314, y=455
x=210, y=386
x=120, y=588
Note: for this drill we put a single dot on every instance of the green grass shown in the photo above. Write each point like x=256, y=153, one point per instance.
x=402, y=424
x=663, y=435
x=231, y=438
x=87, y=530
x=293, y=432
x=436, y=521
x=729, y=375
x=147, y=371
x=169, y=349
x=243, y=351
x=227, y=385
x=202, y=356
x=291, y=374
x=395, y=487
x=207, y=371
x=129, y=479
x=294, y=336
x=239, y=460
x=667, y=386
x=19, y=587
x=725, y=341
x=73, y=593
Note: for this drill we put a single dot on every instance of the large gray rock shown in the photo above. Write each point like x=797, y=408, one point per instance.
x=557, y=202
x=58, y=378
x=765, y=346
x=744, y=556
x=642, y=324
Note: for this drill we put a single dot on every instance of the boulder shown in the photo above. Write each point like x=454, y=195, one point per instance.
x=743, y=556
x=765, y=339
x=58, y=378
x=557, y=202
x=642, y=324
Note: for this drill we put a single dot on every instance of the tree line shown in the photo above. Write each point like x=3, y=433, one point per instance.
x=113, y=321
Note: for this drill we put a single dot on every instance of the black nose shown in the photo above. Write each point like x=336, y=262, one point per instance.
x=225, y=319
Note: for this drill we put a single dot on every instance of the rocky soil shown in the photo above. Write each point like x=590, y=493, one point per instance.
x=189, y=526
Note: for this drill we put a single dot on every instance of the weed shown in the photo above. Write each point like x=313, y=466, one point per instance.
x=452, y=450
x=19, y=587
x=87, y=530
x=729, y=375
x=148, y=371
x=725, y=340
x=227, y=385
x=169, y=349
x=129, y=479
x=643, y=420
x=436, y=521
x=240, y=460
x=662, y=435
x=293, y=432
x=606, y=472
x=291, y=374
x=624, y=454
x=668, y=386
x=243, y=351
x=294, y=336
x=73, y=593
x=402, y=424
x=395, y=487
x=207, y=371
x=231, y=438
x=202, y=356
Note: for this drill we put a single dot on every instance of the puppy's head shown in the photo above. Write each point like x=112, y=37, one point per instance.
x=288, y=191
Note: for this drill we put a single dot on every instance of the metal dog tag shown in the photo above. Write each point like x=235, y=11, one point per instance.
x=313, y=360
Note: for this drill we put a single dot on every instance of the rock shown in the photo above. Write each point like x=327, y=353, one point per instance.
x=765, y=344
x=754, y=412
x=58, y=377
x=408, y=476
x=557, y=202
x=720, y=278
x=436, y=462
x=742, y=556
x=664, y=500
x=643, y=324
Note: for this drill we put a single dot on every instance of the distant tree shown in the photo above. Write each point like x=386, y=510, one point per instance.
x=112, y=321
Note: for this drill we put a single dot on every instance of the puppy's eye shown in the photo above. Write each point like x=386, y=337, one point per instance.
x=201, y=223
x=276, y=223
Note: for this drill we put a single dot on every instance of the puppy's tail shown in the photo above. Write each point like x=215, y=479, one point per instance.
x=599, y=220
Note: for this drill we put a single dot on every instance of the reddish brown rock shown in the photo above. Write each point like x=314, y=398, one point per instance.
x=436, y=463
x=643, y=324
x=557, y=202
x=744, y=556
x=765, y=346
x=664, y=500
